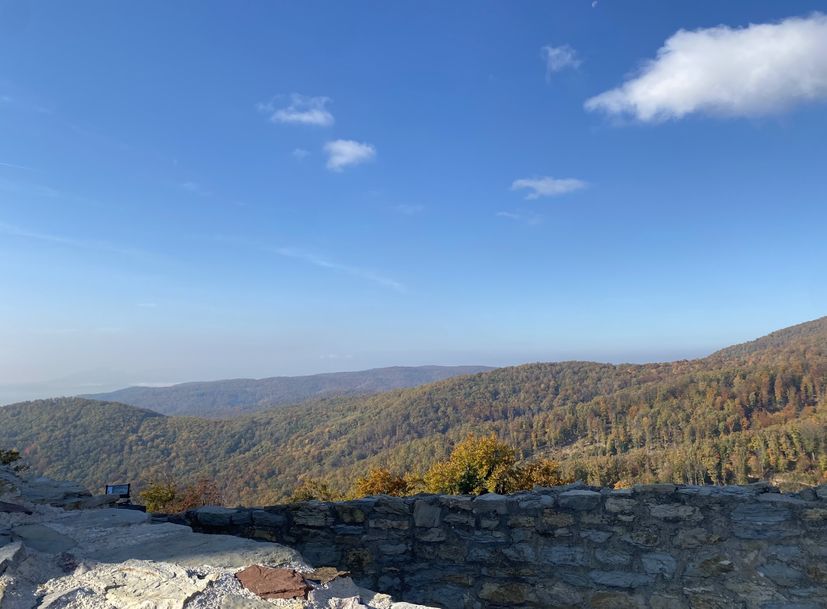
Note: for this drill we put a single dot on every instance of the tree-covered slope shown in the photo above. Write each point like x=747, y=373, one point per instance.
x=232, y=397
x=758, y=410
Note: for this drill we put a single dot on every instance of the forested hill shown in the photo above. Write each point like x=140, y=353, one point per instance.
x=232, y=397
x=754, y=411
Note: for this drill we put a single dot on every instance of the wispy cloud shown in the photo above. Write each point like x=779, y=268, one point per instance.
x=344, y=153
x=28, y=189
x=559, y=58
x=17, y=231
x=547, y=186
x=408, y=210
x=15, y=166
x=301, y=110
x=325, y=263
x=195, y=188
x=300, y=153
x=756, y=70
x=531, y=219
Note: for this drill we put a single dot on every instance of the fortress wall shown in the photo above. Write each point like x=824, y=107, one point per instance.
x=653, y=546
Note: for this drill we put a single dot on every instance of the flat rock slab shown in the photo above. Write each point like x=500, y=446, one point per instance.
x=43, y=538
x=132, y=585
x=179, y=545
x=13, y=508
x=268, y=582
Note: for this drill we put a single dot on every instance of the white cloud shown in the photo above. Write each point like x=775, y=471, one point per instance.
x=756, y=70
x=343, y=153
x=301, y=110
x=559, y=58
x=547, y=186
x=344, y=268
x=300, y=153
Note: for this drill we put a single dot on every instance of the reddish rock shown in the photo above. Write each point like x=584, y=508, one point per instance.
x=268, y=582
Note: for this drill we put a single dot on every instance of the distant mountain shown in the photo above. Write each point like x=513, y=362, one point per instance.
x=228, y=398
x=754, y=411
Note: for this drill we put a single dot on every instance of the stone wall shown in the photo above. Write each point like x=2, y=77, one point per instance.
x=654, y=547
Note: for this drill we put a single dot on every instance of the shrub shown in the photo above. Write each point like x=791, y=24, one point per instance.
x=381, y=481
x=159, y=496
x=313, y=489
x=477, y=465
x=166, y=496
x=486, y=465
x=7, y=457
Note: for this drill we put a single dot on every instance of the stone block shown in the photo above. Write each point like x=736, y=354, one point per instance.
x=659, y=563
x=505, y=592
x=654, y=489
x=265, y=518
x=312, y=514
x=552, y=519
x=675, y=512
x=426, y=514
x=781, y=574
x=710, y=565
x=563, y=555
x=431, y=535
x=392, y=505
x=490, y=502
x=615, y=600
x=353, y=512
x=643, y=538
x=693, y=538
x=579, y=500
x=620, y=504
x=615, y=558
x=621, y=579
x=520, y=552
x=596, y=536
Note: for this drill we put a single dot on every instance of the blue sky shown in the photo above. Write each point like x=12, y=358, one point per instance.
x=194, y=190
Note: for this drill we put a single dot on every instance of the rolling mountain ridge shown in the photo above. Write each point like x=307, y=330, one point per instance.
x=233, y=397
x=753, y=411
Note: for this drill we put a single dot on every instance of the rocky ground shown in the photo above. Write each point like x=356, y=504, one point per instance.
x=61, y=548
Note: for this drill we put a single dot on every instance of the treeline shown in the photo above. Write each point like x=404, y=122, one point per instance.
x=749, y=412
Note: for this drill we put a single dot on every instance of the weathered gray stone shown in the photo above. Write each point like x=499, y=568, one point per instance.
x=613, y=557
x=432, y=535
x=215, y=516
x=659, y=563
x=620, y=504
x=621, y=579
x=43, y=538
x=709, y=565
x=693, y=538
x=392, y=505
x=426, y=514
x=313, y=514
x=653, y=489
x=596, y=536
x=781, y=574
x=10, y=554
x=520, y=552
x=490, y=502
x=579, y=500
x=264, y=518
x=675, y=512
x=564, y=555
